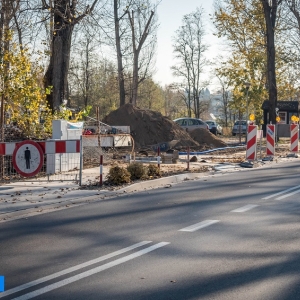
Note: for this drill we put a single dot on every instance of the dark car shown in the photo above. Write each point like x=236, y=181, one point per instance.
x=214, y=127
x=239, y=126
x=189, y=124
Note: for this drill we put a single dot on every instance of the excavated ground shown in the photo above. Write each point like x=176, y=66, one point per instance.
x=150, y=129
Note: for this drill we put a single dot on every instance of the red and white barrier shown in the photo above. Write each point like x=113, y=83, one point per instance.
x=251, y=142
x=270, y=137
x=294, y=138
x=48, y=147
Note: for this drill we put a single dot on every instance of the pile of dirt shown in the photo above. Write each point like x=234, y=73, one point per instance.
x=206, y=138
x=149, y=127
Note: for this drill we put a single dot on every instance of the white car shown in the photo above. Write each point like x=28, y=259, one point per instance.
x=190, y=124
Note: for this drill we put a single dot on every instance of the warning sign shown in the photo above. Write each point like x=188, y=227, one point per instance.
x=28, y=158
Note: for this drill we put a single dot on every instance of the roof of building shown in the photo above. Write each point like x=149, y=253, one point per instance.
x=283, y=105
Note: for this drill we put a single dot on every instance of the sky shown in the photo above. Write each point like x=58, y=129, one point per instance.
x=170, y=14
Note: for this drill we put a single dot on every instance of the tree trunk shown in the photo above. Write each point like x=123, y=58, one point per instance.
x=270, y=12
x=64, y=17
x=121, y=81
x=57, y=72
x=135, y=78
x=5, y=18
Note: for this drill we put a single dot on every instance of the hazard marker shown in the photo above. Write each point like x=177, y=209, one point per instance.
x=294, y=138
x=270, y=137
x=251, y=142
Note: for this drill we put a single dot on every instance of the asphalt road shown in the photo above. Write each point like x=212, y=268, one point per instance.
x=230, y=236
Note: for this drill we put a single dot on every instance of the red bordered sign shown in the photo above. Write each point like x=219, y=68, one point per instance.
x=28, y=158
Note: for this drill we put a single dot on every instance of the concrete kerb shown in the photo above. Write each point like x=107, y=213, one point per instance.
x=161, y=182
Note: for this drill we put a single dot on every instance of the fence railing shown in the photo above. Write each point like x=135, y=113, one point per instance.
x=40, y=161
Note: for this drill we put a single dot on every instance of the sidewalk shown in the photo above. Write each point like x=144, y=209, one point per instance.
x=22, y=199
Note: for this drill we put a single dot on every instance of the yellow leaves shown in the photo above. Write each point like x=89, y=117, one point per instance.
x=48, y=90
x=24, y=95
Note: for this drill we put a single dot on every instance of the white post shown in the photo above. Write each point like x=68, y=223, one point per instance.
x=81, y=162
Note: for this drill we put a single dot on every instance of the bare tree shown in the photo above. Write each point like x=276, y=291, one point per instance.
x=134, y=43
x=189, y=49
x=118, y=36
x=140, y=19
x=81, y=68
x=225, y=98
x=292, y=23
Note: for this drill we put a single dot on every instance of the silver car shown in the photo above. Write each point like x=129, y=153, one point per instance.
x=239, y=126
x=190, y=124
x=214, y=127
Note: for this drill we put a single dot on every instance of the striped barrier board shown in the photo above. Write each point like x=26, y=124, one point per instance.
x=294, y=137
x=251, y=142
x=48, y=147
x=270, y=137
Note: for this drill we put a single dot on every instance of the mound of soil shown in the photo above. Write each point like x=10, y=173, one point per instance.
x=205, y=138
x=149, y=127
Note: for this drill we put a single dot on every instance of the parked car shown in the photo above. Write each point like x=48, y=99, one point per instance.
x=239, y=126
x=190, y=124
x=214, y=127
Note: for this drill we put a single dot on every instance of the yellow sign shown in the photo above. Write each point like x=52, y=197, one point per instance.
x=277, y=119
x=252, y=117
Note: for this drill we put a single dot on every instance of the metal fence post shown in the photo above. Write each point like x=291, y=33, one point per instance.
x=188, y=158
x=101, y=169
x=81, y=162
x=158, y=157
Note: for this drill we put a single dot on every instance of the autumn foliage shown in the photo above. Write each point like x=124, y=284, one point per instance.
x=25, y=99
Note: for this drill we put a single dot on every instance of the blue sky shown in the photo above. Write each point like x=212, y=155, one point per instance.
x=170, y=14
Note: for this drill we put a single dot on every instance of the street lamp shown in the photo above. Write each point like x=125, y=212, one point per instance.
x=247, y=85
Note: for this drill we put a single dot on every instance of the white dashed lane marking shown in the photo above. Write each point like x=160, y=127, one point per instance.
x=244, y=208
x=71, y=269
x=282, y=192
x=288, y=195
x=85, y=274
x=200, y=225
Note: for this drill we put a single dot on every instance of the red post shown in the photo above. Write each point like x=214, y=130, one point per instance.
x=158, y=157
x=101, y=169
x=188, y=158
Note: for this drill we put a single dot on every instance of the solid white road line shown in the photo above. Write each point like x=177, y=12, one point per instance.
x=244, y=208
x=288, y=195
x=280, y=193
x=72, y=269
x=90, y=272
x=200, y=225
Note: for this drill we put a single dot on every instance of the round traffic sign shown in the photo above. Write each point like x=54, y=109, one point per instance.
x=28, y=158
